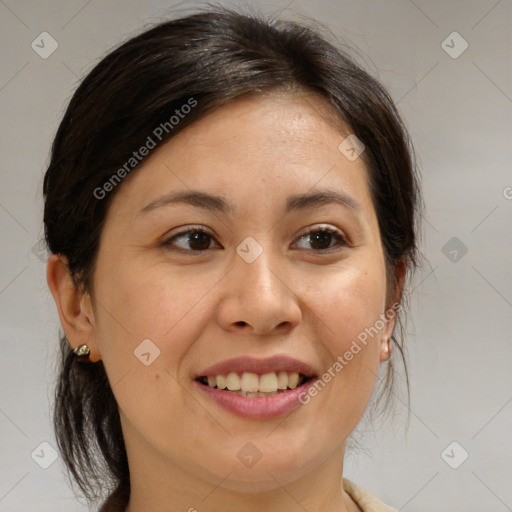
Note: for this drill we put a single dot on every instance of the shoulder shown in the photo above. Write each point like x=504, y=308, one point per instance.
x=366, y=501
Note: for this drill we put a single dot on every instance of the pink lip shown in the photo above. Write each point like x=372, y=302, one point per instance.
x=250, y=364
x=257, y=408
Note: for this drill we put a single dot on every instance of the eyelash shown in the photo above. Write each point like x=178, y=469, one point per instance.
x=342, y=242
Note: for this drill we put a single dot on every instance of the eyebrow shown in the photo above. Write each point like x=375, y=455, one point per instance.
x=219, y=204
x=321, y=197
x=193, y=198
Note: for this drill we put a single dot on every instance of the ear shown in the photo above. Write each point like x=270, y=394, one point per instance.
x=74, y=308
x=392, y=308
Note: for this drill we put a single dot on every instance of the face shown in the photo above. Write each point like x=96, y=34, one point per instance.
x=276, y=270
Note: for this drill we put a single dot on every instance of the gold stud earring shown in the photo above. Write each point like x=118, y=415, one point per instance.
x=82, y=352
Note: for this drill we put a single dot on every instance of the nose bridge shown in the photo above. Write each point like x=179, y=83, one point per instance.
x=256, y=264
x=257, y=294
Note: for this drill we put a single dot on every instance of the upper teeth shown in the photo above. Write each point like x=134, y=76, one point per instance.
x=253, y=383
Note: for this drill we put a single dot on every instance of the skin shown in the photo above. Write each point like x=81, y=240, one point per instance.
x=202, y=308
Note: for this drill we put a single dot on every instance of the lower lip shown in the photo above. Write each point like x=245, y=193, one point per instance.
x=257, y=407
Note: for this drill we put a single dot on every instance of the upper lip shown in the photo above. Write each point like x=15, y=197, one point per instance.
x=279, y=363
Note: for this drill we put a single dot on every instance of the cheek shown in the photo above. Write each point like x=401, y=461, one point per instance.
x=348, y=301
x=150, y=310
x=347, y=310
x=148, y=301
x=145, y=333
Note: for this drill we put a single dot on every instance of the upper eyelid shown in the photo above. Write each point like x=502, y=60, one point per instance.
x=313, y=229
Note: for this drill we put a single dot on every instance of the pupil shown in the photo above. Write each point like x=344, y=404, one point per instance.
x=320, y=238
x=199, y=240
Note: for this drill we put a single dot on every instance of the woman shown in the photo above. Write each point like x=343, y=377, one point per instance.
x=230, y=208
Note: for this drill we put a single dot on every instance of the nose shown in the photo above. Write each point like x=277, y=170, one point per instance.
x=258, y=297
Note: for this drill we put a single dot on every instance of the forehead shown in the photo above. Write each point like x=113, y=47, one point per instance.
x=260, y=144
x=284, y=124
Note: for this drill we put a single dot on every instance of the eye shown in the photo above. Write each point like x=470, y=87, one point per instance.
x=322, y=239
x=192, y=240
x=198, y=240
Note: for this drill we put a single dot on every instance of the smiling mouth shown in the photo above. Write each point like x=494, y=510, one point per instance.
x=254, y=385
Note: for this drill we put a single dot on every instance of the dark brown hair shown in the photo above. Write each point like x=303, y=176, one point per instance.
x=212, y=57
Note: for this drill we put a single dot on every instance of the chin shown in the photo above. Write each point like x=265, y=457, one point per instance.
x=264, y=472
x=257, y=479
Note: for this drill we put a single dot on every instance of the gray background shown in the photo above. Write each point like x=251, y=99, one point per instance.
x=459, y=113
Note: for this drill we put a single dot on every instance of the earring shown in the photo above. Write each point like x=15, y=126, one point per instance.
x=387, y=347
x=82, y=352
